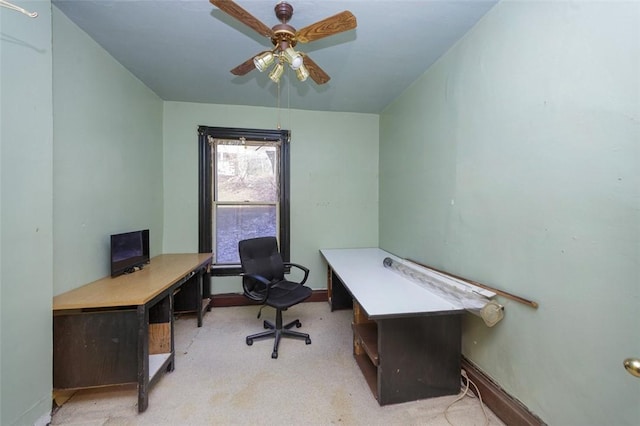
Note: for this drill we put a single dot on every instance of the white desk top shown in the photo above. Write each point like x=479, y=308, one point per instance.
x=380, y=291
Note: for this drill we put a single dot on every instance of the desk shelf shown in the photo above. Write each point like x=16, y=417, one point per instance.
x=156, y=362
x=365, y=347
x=370, y=373
x=365, y=338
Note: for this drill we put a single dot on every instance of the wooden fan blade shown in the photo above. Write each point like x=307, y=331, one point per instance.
x=315, y=72
x=243, y=16
x=245, y=67
x=343, y=21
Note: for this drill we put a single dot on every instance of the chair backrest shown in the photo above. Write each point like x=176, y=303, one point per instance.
x=260, y=256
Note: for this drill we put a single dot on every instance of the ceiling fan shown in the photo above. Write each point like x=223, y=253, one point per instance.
x=284, y=38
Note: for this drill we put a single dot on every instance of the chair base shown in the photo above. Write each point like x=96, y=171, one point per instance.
x=277, y=331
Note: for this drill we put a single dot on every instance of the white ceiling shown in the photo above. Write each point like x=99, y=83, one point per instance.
x=183, y=49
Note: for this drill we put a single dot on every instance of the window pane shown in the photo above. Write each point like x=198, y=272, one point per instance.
x=235, y=223
x=247, y=173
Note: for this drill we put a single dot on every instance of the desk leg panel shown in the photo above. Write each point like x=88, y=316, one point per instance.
x=199, y=295
x=419, y=357
x=339, y=297
x=94, y=348
x=143, y=358
x=194, y=295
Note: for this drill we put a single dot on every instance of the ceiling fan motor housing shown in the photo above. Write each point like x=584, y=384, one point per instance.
x=283, y=34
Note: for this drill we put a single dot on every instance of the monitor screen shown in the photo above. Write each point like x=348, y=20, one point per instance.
x=129, y=250
x=127, y=246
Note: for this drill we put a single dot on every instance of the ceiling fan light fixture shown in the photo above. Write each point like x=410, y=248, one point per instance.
x=276, y=72
x=302, y=73
x=294, y=58
x=263, y=61
x=284, y=38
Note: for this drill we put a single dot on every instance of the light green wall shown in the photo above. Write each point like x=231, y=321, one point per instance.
x=107, y=156
x=334, y=184
x=514, y=161
x=104, y=174
x=26, y=245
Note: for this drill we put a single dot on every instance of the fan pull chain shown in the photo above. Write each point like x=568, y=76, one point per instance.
x=289, y=100
x=279, y=127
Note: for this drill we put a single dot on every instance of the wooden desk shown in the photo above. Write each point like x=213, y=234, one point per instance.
x=120, y=330
x=406, y=340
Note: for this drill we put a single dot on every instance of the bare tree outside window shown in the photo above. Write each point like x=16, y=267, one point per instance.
x=245, y=194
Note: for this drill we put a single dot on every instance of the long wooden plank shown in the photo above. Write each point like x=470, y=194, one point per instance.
x=495, y=290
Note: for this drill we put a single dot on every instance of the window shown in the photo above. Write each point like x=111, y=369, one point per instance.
x=244, y=191
x=246, y=177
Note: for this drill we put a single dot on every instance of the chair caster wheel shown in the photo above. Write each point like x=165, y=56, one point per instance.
x=307, y=341
x=298, y=324
x=274, y=355
x=265, y=325
x=249, y=342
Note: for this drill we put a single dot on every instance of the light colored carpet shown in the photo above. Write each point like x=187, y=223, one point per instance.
x=219, y=380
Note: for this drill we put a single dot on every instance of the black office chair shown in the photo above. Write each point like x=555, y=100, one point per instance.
x=263, y=281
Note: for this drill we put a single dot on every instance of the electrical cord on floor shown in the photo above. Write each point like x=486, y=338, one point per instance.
x=465, y=382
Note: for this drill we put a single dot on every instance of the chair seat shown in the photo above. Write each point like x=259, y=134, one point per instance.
x=282, y=297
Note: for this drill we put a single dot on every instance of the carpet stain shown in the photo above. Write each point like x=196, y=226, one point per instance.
x=246, y=396
x=342, y=407
x=218, y=397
